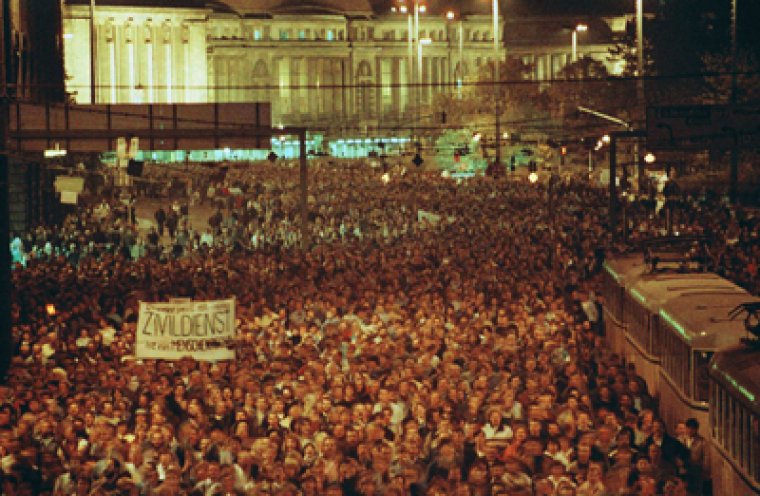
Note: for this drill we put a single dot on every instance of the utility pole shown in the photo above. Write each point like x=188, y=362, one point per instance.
x=734, y=172
x=6, y=340
x=640, y=93
x=496, y=85
x=93, y=79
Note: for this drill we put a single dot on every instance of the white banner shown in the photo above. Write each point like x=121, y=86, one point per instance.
x=204, y=330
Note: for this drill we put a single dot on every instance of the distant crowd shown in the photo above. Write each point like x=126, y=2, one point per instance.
x=428, y=336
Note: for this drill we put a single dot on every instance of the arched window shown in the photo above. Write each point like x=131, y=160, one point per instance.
x=364, y=89
x=260, y=79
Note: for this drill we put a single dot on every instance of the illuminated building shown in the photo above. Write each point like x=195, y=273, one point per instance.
x=326, y=64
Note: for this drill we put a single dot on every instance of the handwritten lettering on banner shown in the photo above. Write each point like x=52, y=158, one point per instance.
x=204, y=330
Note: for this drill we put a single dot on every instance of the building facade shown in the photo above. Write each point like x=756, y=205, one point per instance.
x=325, y=64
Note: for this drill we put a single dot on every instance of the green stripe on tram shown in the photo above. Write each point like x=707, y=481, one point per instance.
x=736, y=385
x=675, y=324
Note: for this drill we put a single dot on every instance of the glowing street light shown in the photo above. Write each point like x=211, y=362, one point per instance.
x=55, y=152
x=452, y=16
x=649, y=158
x=533, y=177
x=580, y=28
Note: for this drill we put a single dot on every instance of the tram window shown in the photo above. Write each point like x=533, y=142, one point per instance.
x=721, y=408
x=686, y=368
x=740, y=435
x=755, y=455
x=729, y=420
x=746, y=440
x=735, y=430
x=714, y=418
x=728, y=439
x=702, y=375
x=678, y=363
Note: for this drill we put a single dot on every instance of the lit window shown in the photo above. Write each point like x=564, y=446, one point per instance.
x=257, y=34
x=330, y=35
x=302, y=35
x=284, y=35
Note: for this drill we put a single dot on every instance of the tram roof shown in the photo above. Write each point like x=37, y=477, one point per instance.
x=738, y=370
x=702, y=317
x=654, y=289
x=626, y=268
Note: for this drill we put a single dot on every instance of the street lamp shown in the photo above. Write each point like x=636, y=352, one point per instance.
x=413, y=34
x=496, y=38
x=92, y=52
x=580, y=28
x=420, y=43
x=649, y=158
x=451, y=16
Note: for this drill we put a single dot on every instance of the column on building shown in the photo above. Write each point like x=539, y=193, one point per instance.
x=403, y=81
x=312, y=82
x=166, y=77
x=424, y=79
x=196, y=72
x=105, y=66
x=346, y=86
x=396, y=89
x=282, y=74
x=127, y=62
x=221, y=79
x=260, y=79
x=148, y=39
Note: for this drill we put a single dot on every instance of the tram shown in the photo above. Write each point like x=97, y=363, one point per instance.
x=617, y=275
x=735, y=420
x=691, y=328
x=671, y=324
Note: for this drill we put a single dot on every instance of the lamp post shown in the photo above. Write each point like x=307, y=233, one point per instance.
x=451, y=16
x=640, y=96
x=413, y=34
x=734, y=170
x=580, y=28
x=92, y=52
x=418, y=9
x=497, y=106
x=413, y=28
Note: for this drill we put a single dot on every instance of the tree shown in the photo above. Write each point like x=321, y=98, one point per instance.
x=624, y=54
x=516, y=96
x=717, y=83
x=587, y=83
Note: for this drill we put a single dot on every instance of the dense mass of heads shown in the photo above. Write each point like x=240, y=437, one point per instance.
x=458, y=354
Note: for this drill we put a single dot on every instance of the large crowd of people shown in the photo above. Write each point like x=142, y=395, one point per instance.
x=427, y=336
